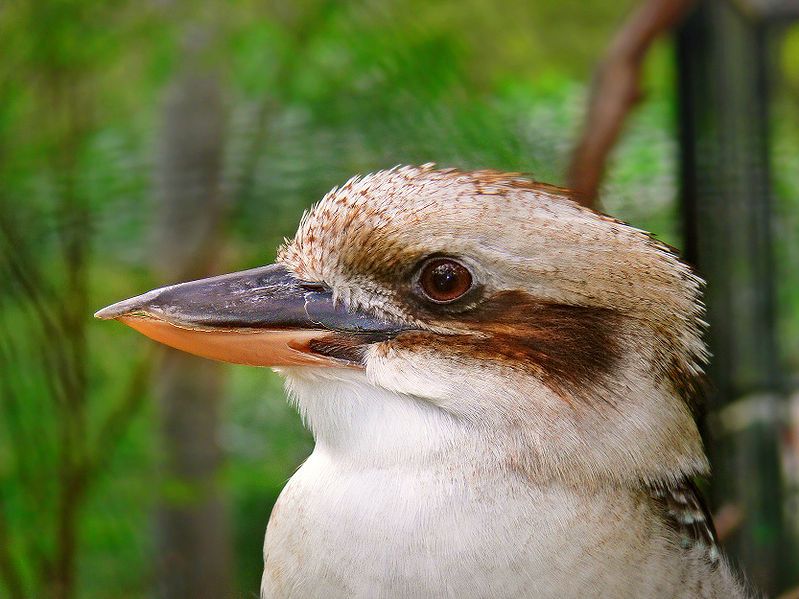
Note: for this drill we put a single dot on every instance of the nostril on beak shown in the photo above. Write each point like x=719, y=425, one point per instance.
x=313, y=286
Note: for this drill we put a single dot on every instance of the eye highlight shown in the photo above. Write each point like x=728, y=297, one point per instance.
x=443, y=280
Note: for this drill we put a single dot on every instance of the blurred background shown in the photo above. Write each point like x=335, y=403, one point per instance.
x=147, y=142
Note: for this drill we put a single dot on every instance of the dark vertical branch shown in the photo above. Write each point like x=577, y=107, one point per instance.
x=44, y=280
x=726, y=203
x=9, y=572
x=65, y=88
x=194, y=536
x=616, y=90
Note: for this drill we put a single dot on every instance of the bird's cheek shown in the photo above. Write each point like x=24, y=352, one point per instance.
x=417, y=372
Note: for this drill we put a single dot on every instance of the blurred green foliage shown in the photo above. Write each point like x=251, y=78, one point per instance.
x=316, y=91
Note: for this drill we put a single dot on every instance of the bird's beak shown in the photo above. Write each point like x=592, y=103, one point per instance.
x=261, y=317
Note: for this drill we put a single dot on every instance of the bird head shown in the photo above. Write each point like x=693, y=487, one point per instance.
x=485, y=304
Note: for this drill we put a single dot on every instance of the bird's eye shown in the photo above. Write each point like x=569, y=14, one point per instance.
x=443, y=280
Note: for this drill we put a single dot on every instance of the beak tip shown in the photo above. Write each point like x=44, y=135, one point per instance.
x=127, y=307
x=109, y=312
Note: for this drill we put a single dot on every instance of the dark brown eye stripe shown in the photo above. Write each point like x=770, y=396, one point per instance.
x=571, y=348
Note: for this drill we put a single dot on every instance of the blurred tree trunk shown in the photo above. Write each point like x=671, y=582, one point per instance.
x=194, y=558
x=723, y=67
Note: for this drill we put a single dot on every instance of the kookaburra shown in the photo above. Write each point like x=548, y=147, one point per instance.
x=500, y=384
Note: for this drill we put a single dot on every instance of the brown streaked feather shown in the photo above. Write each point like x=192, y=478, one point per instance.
x=494, y=182
x=687, y=514
x=349, y=348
